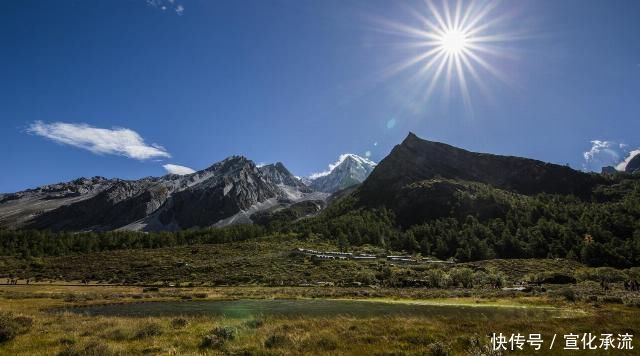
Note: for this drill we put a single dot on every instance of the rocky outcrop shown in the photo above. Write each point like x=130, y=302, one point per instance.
x=279, y=174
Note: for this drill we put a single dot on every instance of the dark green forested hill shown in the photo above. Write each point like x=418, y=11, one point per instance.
x=472, y=221
x=440, y=200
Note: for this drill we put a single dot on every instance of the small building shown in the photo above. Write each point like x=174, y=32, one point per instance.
x=364, y=257
x=339, y=253
x=402, y=260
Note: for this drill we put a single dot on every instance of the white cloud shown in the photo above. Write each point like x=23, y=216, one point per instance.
x=115, y=141
x=176, y=169
x=341, y=159
x=623, y=165
x=167, y=4
x=608, y=154
x=602, y=154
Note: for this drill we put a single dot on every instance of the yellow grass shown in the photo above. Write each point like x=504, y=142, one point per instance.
x=52, y=333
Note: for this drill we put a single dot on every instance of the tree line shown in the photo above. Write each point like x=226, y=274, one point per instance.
x=604, y=231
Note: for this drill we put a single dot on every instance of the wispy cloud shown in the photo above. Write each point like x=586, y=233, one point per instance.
x=341, y=159
x=176, y=169
x=605, y=153
x=164, y=5
x=115, y=141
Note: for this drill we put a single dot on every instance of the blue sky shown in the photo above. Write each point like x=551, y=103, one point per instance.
x=301, y=82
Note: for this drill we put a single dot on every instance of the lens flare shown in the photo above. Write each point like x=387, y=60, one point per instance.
x=451, y=45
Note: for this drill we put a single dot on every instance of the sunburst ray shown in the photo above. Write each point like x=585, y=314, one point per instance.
x=453, y=41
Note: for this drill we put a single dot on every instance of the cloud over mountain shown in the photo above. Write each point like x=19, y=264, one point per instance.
x=115, y=141
x=176, y=169
x=602, y=154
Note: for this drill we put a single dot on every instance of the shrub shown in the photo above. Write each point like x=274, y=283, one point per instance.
x=179, y=323
x=633, y=303
x=438, y=349
x=437, y=278
x=552, y=278
x=634, y=273
x=608, y=274
x=152, y=350
x=116, y=334
x=462, y=276
x=327, y=343
x=276, y=340
x=480, y=278
x=24, y=322
x=149, y=329
x=224, y=332
x=11, y=326
x=212, y=342
x=254, y=323
x=612, y=300
x=568, y=294
x=97, y=348
x=603, y=274
x=8, y=327
x=90, y=349
x=66, y=341
x=496, y=279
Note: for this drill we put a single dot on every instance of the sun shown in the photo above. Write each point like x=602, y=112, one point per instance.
x=454, y=42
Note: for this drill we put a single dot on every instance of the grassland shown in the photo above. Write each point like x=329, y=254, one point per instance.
x=75, y=334
x=264, y=268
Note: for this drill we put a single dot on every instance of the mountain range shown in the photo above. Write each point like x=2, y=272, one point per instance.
x=228, y=192
x=419, y=180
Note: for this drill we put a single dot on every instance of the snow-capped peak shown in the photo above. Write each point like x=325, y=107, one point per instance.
x=350, y=169
x=342, y=159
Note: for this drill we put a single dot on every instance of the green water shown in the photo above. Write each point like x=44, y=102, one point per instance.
x=246, y=308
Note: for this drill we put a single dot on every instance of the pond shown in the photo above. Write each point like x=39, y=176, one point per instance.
x=291, y=308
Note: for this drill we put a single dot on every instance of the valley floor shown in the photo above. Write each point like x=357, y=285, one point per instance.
x=43, y=332
x=31, y=321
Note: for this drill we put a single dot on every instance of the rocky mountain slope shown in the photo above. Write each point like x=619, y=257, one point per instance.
x=228, y=192
x=18, y=208
x=350, y=170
